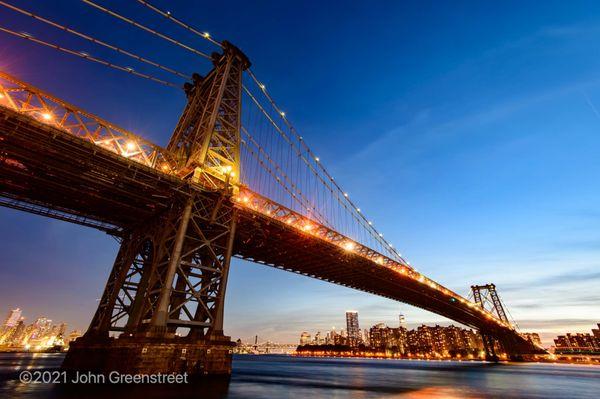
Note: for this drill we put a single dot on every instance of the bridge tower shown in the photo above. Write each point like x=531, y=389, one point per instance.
x=162, y=307
x=487, y=297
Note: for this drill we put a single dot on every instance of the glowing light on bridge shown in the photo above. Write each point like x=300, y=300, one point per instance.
x=130, y=146
x=349, y=246
x=47, y=116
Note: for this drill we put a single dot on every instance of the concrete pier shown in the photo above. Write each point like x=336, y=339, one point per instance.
x=135, y=355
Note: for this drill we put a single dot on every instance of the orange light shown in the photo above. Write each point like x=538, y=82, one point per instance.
x=307, y=227
x=130, y=146
x=165, y=167
x=47, y=116
x=349, y=246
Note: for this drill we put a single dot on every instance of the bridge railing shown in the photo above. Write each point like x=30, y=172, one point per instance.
x=33, y=102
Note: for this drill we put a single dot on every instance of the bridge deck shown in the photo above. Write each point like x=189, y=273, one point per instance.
x=46, y=170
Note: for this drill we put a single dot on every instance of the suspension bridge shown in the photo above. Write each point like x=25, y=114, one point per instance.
x=236, y=179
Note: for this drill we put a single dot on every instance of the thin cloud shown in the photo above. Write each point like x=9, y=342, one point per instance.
x=581, y=275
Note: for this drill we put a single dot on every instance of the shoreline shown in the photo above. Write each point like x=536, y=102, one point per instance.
x=584, y=361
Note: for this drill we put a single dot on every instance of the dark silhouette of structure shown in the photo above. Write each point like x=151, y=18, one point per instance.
x=181, y=213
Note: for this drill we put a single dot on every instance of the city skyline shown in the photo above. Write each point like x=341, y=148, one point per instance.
x=434, y=341
x=433, y=141
x=39, y=333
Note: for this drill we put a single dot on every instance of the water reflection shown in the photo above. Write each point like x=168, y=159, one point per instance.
x=280, y=376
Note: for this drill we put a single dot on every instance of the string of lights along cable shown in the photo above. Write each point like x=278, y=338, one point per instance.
x=277, y=163
x=236, y=179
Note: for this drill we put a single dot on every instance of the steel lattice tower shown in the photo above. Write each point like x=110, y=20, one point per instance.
x=171, y=271
x=487, y=298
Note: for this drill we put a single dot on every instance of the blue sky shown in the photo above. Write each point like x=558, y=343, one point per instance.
x=468, y=132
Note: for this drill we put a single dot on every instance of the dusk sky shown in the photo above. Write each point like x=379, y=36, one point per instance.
x=468, y=132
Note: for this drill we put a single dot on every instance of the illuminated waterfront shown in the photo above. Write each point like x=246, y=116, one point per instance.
x=282, y=376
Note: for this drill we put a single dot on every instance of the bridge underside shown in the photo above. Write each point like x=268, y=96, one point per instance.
x=47, y=171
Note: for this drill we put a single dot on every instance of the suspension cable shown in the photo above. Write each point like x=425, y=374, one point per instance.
x=368, y=225
x=357, y=215
x=145, y=28
x=310, y=166
x=169, y=16
x=273, y=174
x=303, y=200
x=514, y=322
x=355, y=210
x=94, y=40
x=88, y=57
x=365, y=222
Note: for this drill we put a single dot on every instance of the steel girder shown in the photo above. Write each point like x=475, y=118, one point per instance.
x=207, y=135
x=194, y=292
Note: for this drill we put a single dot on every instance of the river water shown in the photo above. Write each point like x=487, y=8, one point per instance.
x=272, y=376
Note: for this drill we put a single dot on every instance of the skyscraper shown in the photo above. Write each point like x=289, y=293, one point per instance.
x=304, y=338
x=13, y=318
x=352, y=327
x=401, y=320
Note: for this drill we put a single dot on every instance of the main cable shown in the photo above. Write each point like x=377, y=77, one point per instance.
x=88, y=57
x=169, y=16
x=145, y=28
x=340, y=195
x=94, y=40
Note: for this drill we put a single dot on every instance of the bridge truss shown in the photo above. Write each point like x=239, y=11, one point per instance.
x=236, y=179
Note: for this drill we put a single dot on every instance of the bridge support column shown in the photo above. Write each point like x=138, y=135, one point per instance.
x=489, y=346
x=166, y=296
x=166, y=293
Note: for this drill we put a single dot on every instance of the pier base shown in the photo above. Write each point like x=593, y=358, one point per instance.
x=143, y=355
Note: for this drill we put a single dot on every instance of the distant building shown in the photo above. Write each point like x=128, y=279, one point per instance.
x=576, y=343
x=384, y=338
x=401, y=321
x=353, y=328
x=13, y=318
x=365, y=337
x=378, y=336
x=305, y=338
x=596, y=333
x=318, y=339
x=534, y=338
